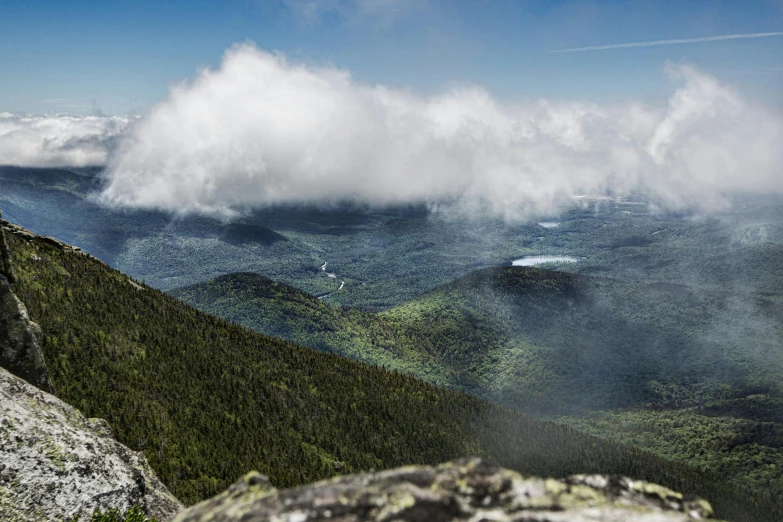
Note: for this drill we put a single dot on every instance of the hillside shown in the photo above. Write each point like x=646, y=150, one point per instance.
x=566, y=342
x=207, y=400
x=283, y=311
x=537, y=339
x=557, y=343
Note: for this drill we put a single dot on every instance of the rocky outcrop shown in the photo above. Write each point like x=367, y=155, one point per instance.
x=465, y=490
x=28, y=235
x=20, y=338
x=55, y=463
x=5, y=256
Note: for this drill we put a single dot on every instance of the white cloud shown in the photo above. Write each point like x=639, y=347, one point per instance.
x=57, y=140
x=260, y=130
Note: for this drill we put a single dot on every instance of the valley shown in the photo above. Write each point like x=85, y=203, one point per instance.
x=665, y=335
x=206, y=400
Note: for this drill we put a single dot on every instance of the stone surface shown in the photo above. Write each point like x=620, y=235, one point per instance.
x=465, y=490
x=5, y=256
x=20, y=339
x=55, y=463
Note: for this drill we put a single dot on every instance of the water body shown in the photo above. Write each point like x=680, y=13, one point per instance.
x=549, y=224
x=537, y=260
x=333, y=276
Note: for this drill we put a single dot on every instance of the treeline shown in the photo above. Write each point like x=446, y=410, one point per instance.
x=207, y=400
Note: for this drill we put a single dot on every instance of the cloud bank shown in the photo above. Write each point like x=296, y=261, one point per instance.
x=57, y=140
x=260, y=130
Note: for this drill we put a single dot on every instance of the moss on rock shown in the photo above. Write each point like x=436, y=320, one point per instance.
x=468, y=489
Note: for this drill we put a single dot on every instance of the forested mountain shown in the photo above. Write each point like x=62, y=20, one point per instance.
x=546, y=341
x=675, y=319
x=554, y=343
x=207, y=400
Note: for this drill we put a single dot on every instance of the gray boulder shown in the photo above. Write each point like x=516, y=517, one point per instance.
x=56, y=463
x=20, y=339
x=5, y=256
x=464, y=490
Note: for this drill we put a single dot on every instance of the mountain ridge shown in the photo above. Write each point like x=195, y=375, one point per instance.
x=487, y=333
x=206, y=400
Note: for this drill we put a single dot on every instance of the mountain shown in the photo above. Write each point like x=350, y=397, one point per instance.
x=279, y=310
x=536, y=339
x=207, y=400
x=669, y=364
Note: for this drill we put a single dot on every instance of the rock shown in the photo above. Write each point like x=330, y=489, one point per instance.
x=5, y=257
x=24, y=234
x=54, y=242
x=55, y=463
x=20, y=339
x=463, y=490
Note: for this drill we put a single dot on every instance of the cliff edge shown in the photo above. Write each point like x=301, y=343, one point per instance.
x=56, y=463
x=20, y=338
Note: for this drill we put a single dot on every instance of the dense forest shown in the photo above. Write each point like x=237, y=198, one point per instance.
x=207, y=400
x=554, y=343
x=737, y=438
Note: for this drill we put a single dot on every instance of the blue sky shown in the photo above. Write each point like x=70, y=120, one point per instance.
x=85, y=55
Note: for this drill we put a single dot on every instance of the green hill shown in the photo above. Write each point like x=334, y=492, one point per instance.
x=554, y=343
x=283, y=311
x=207, y=400
x=540, y=340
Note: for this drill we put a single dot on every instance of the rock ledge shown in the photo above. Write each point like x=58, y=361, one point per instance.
x=463, y=490
x=55, y=463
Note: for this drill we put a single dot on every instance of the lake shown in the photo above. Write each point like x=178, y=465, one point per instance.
x=537, y=260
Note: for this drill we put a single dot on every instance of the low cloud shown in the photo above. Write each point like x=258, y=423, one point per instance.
x=260, y=130
x=57, y=140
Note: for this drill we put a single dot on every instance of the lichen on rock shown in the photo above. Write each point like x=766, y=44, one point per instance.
x=21, y=350
x=5, y=257
x=55, y=463
x=463, y=490
x=20, y=338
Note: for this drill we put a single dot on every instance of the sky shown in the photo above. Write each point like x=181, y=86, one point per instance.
x=90, y=56
x=507, y=108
